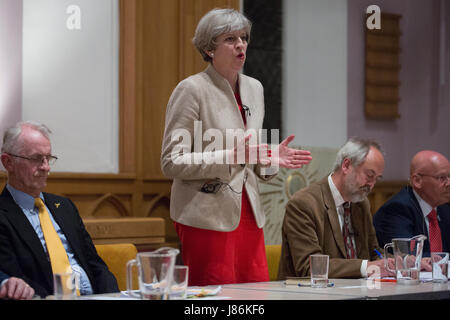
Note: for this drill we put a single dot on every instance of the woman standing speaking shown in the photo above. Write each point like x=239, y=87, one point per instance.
x=215, y=201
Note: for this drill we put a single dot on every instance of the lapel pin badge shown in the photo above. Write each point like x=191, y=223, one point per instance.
x=57, y=204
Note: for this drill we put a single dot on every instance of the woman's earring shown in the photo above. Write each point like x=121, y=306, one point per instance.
x=212, y=54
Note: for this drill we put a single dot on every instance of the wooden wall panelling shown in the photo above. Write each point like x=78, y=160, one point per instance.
x=144, y=233
x=96, y=195
x=190, y=61
x=383, y=68
x=157, y=74
x=382, y=191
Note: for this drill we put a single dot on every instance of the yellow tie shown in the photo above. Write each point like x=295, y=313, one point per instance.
x=58, y=256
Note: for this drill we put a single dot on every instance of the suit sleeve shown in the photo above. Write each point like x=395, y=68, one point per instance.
x=9, y=262
x=3, y=276
x=300, y=232
x=102, y=280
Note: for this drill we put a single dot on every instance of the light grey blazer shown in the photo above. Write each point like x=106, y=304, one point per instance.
x=208, y=98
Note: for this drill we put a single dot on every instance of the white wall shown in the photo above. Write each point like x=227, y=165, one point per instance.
x=10, y=63
x=315, y=72
x=424, y=105
x=70, y=80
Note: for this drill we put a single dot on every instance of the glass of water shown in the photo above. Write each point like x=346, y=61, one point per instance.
x=178, y=290
x=65, y=286
x=439, y=262
x=319, y=270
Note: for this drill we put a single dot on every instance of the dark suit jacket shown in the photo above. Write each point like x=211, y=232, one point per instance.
x=311, y=226
x=22, y=254
x=401, y=217
x=3, y=276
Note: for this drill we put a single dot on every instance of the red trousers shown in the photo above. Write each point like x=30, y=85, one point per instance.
x=217, y=257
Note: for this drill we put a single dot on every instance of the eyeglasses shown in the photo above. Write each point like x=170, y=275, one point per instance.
x=371, y=176
x=38, y=160
x=442, y=178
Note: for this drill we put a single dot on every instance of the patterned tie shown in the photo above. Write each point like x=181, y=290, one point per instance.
x=349, y=245
x=435, y=232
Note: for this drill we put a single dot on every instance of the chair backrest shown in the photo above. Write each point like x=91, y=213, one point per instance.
x=273, y=255
x=116, y=257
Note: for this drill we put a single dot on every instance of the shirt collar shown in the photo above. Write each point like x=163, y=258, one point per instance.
x=338, y=200
x=24, y=200
x=424, y=206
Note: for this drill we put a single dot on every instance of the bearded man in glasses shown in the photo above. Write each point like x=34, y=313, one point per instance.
x=420, y=208
x=41, y=233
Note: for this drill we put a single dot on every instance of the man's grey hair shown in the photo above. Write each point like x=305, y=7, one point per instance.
x=356, y=150
x=12, y=134
x=215, y=23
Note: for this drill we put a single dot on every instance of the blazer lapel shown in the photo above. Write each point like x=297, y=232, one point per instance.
x=25, y=230
x=419, y=217
x=333, y=216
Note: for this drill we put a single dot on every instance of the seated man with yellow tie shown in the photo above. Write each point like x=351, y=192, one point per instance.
x=420, y=208
x=333, y=217
x=41, y=233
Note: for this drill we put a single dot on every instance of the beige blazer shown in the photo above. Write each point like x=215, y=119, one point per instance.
x=207, y=97
x=311, y=226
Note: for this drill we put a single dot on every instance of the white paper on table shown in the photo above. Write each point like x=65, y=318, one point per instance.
x=426, y=276
x=110, y=298
x=125, y=294
x=204, y=293
x=353, y=287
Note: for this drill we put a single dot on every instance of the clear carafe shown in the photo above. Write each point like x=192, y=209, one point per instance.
x=155, y=273
x=407, y=257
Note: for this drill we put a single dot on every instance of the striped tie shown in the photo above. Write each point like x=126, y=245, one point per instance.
x=348, y=236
